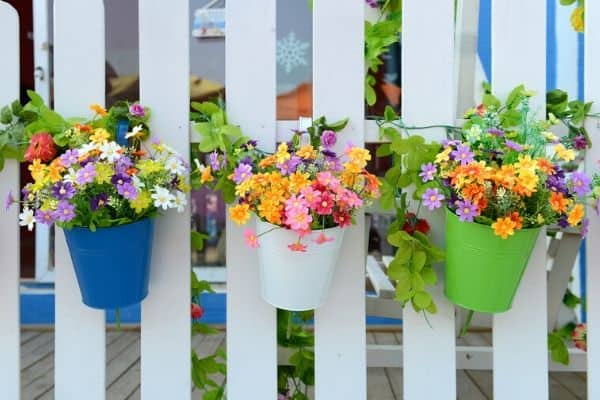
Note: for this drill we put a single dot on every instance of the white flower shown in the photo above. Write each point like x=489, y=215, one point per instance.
x=70, y=176
x=86, y=148
x=197, y=162
x=27, y=219
x=162, y=198
x=137, y=183
x=135, y=131
x=175, y=166
x=110, y=151
x=474, y=133
x=180, y=201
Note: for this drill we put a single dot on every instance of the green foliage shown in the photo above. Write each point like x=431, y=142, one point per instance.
x=121, y=111
x=12, y=127
x=379, y=36
x=557, y=343
x=571, y=113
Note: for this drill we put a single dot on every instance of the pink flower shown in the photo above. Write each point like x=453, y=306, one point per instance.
x=323, y=239
x=343, y=219
x=327, y=179
x=251, y=239
x=297, y=247
x=325, y=204
x=311, y=195
x=298, y=219
x=295, y=203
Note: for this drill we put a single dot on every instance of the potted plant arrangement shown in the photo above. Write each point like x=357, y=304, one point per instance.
x=303, y=196
x=500, y=180
x=104, y=195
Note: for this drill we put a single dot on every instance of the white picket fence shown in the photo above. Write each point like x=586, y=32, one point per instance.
x=520, y=358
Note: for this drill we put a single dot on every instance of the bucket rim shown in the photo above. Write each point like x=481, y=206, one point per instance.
x=451, y=214
x=105, y=228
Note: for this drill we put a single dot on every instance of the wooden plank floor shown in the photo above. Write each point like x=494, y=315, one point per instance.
x=123, y=369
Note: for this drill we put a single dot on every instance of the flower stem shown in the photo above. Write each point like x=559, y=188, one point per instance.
x=467, y=324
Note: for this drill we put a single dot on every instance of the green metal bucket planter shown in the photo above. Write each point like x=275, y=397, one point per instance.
x=483, y=271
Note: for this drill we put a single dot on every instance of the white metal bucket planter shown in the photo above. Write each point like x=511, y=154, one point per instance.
x=296, y=281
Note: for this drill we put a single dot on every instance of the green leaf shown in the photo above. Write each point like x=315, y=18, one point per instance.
x=337, y=125
x=567, y=2
x=429, y=276
x=558, y=349
x=491, y=101
x=515, y=96
x=197, y=240
x=16, y=107
x=389, y=114
x=370, y=95
x=421, y=300
x=35, y=98
x=417, y=281
x=398, y=271
x=418, y=261
x=6, y=115
x=398, y=238
x=203, y=329
x=383, y=150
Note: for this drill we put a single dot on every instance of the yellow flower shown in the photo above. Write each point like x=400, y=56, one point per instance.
x=270, y=208
x=206, y=174
x=100, y=135
x=183, y=185
x=54, y=170
x=551, y=137
x=38, y=170
x=240, y=214
x=504, y=227
x=576, y=215
x=526, y=164
x=577, y=19
x=282, y=154
x=444, y=156
x=141, y=202
x=99, y=110
x=563, y=153
x=104, y=172
x=267, y=161
x=307, y=152
x=540, y=219
x=298, y=181
x=148, y=167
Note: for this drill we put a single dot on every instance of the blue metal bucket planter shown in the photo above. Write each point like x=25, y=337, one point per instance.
x=112, y=264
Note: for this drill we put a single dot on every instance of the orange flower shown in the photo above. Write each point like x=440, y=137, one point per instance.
x=83, y=128
x=546, y=166
x=98, y=109
x=240, y=213
x=307, y=152
x=517, y=219
x=206, y=174
x=267, y=161
x=298, y=181
x=558, y=202
x=504, y=227
x=576, y=215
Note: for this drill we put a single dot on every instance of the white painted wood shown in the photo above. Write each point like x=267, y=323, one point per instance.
x=250, y=80
x=164, y=86
x=592, y=93
x=521, y=360
x=9, y=227
x=78, y=82
x=381, y=283
x=428, y=97
x=41, y=56
x=467, y=27
x=338, y=92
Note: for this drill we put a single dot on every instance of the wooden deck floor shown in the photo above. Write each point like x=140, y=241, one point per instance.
x=123, y=369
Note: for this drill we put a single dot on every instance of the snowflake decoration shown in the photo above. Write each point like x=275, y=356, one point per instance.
x=291, y=52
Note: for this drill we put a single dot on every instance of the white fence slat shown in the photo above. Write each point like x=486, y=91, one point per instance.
x=592, y=93
x=78, y=82
x=338, y=91
x=250, y=83
x=164, y=86
x=519, y=56
x=9, y=228
x=428, y=97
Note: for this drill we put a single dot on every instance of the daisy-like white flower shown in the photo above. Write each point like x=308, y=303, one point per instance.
x=175, y=166
x=86, y=148
x=70, y=176
x=27, y=219
x=137, y=183
x=180, y=201
x=135, y=132
x=110, y=152
x=162, y=198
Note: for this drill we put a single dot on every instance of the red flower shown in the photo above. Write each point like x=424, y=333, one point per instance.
x=481, y=109
x=579, y=336
x=343, y=219
x=197, y=311
x=41, y=146
x=412, y=224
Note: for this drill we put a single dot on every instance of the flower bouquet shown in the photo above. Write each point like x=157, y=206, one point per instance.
x=303, y=196
x=500, y=183
x=104, y=195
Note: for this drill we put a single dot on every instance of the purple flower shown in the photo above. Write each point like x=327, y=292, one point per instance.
x=86, y=174
x=432, y=199
x=123, y=164
x=579, y=142
x=127, y=190
x=597, y=206
x=155, y=141
x=496, y=132
x=9, y=200
x=562, y=222
x=46, y=217
x=99, y=201
x=69, y=158
x=289, y=166
x=585, y=227
x=513, y=145
x=466, y=211
x=137, y=110
x=463, y=154
x=65, y=211
x=250, y=144
x=328, y=139
x=214, y=161
x=247, y=160
x=63, y=190
x=580, y=183
x=556, y=183
x=120, y=179
x=241, y=173
x=450, y=143
x=372, y=3
x=329, y=154
x=427, y=172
